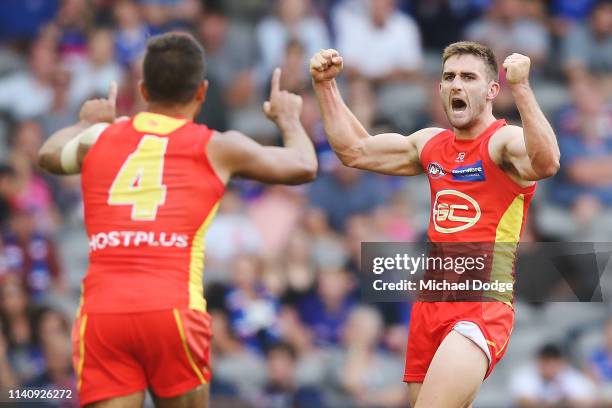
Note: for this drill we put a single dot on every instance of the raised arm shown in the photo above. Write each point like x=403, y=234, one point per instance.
x=533, y=150
x=64, y=151
x=232, y=153
x=388, y=153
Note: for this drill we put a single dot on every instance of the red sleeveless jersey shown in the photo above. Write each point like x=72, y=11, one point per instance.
x=472, y=199
x=149, y=193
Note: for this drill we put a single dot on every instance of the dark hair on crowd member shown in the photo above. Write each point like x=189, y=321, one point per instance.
x=550, y=351
x=173, y=68
x=478, y=50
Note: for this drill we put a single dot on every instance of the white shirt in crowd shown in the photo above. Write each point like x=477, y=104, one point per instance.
x=569, y=385
x=377, y=51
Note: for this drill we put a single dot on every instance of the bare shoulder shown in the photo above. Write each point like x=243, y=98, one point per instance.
x=506, y=134
x=227, y=138
x=421, y=137
x=502, y=139
x=223, y=150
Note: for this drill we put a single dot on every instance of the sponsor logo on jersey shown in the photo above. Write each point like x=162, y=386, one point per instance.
x=435, y=170
x=471, y=172
x=460, y=157
x=454, y=211
x=127, y=239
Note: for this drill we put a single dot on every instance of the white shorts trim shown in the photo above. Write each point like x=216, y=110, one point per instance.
x=471, y=331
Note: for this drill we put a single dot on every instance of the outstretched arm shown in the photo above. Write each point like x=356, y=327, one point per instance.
x=232, y=153
x=388, y=153
x=534, y=152
x=64, y=151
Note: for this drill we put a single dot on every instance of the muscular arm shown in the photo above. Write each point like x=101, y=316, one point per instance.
x=49, y=156
x=534, y=151
x=232, y=153
x=387, y=153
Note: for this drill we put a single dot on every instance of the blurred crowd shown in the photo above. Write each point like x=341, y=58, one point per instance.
x=291, y=329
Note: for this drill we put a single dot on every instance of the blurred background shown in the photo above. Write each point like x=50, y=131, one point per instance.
x=291, y=329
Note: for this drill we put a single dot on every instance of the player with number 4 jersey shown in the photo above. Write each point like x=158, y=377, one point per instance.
x=151, y=185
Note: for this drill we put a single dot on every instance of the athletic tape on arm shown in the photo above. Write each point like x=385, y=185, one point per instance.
x=69, y=155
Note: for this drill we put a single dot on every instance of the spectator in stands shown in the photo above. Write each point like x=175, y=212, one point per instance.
x=361, y=193
x=296, y=266
x=293, y=20
x=284, y=205
x=232, y=233
x=24, y=355
x=131, y=33
x=588, y=47
x=8, y=190
x=26, y=94
x=599, y=365
x=366, y=374
x=585, y=139
x=551, y=381
x=92, y=76
x=282, y=389
x=326, y=311
x=442, y=21
x=32, y=256
x=327, y=246
x=61, y=113
x=239, y=372
x=506, y=28
x=231, y=57
x=253, y=311
x=53, y=332
x=382, y=45
x=33, y=194
x=8, y=379
x=73, y=20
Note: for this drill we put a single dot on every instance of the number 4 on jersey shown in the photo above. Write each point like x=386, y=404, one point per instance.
x=139, y=181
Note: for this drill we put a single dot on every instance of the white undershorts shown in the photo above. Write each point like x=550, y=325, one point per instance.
x=471, y=331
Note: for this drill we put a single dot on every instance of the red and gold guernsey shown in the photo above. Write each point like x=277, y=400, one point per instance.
x=149, y=193
x=473, y=200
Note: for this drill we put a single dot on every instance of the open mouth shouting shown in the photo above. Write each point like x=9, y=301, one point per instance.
x=458, y=105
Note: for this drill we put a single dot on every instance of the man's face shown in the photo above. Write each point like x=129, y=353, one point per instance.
x=550, y=368
x=466, y=89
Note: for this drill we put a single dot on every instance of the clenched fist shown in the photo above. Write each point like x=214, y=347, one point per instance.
x=325, y=65
x=282, y=105
x=517, y=69
x=101, y=110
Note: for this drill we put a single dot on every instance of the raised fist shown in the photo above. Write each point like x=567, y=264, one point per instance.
x=325, y=65
x=517, y=69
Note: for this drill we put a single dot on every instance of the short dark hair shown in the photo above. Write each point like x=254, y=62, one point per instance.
x=173, y=68
x=478, y=50
x=282, y=347
x=550, y=351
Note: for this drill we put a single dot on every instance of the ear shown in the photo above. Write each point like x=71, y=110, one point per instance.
x=493, y=90
x=200, y=95
x=143, y=90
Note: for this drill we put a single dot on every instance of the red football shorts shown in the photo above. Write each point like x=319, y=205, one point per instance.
x=432, y=321
x=120, y=354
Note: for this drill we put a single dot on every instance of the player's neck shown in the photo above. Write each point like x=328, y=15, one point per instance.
x=177, y=111
x=479, y=126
